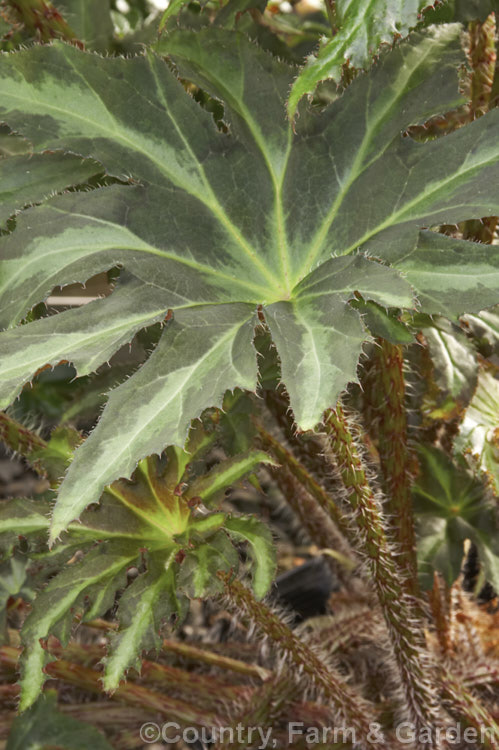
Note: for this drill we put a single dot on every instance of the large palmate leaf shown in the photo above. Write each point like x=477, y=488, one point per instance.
x=361, y=27
x=226, y=227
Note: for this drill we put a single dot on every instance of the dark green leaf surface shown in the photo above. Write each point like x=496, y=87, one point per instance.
x=450, y=275
x=87, y=337
x=198, y=572
x=32, y=178
x=201, y=353
x=222, y=223
x=383, y=323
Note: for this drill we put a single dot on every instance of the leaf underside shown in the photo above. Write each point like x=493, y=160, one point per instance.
x=217, y=224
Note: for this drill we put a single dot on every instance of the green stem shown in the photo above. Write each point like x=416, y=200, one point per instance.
x=401, y=611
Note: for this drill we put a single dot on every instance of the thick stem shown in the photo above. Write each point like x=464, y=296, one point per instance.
x=384, y=390
x=401, y=611
x=204, y=690
x=482, y=60
x=350, y=710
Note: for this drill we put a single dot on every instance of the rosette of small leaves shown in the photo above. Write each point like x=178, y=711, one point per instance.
x=222, y=226
x=165, y=524
x=451, y=505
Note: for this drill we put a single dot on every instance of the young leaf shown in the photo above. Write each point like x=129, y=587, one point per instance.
x=149, y=601
x=362, y=26
x=51, y=612
x=202, y=352
x=198, y=571
x=271, y=208
x=451, y=505
x=211, y=486
x=149, y=520
x=260, y=548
